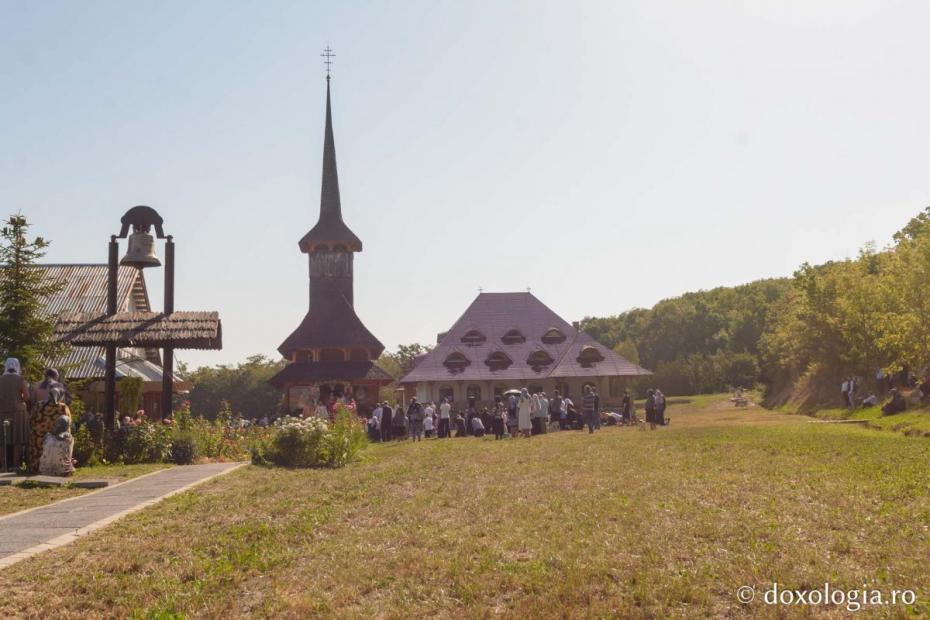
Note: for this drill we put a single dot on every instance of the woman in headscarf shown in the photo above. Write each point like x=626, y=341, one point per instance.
x=14, y=396
x=58, y=445
x=44, y=417
x=525, y=413
x=51, y=381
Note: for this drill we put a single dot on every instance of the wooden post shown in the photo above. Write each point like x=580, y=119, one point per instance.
x=167, y=367
x=109, y=394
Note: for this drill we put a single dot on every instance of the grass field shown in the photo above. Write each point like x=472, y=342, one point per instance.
x=624, y=523
x=14, y=498
x=914, y=422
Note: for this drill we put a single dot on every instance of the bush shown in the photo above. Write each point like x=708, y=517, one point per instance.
x=147, y=443
x=183, y=448
x=311, y=442
x=86, y=450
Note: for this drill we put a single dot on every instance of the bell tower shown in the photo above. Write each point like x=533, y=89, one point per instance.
x=331, y=347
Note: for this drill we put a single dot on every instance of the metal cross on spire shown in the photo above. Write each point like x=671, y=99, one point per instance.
x=328, y=55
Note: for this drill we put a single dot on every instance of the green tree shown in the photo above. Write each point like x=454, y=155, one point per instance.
x=399, y=363
x=26, y=330
x=244, y=387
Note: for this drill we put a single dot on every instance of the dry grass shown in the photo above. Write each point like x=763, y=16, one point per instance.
x=14, y=499
x=623, y=523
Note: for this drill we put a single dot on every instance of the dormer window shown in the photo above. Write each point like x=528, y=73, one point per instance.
x=473, y=338
x=539, y=359
x=553, y=336
x=589, y=356
x=456, y=362
x=498, y=361
x=513, y=337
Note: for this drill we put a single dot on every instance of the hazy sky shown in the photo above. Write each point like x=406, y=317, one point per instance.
x=606, y=154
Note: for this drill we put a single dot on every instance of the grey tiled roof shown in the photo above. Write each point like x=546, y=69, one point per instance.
x=496, y=314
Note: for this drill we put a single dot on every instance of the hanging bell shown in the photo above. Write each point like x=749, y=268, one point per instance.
x=141, y=251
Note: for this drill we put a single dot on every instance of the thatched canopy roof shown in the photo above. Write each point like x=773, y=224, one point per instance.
x=181, y=330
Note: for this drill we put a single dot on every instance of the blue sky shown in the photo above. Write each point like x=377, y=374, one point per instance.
x=606, y=154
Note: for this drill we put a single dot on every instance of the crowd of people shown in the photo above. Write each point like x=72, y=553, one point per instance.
x=516, y=413
x=895, y=384
x=35, y=423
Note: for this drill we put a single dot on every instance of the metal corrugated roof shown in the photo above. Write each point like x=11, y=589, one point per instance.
x=85, y=288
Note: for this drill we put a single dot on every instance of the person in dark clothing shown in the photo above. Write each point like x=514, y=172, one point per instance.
x=651, y=413
x=555, y=408
x=497, y=418
x=897, y=403
x=386, y=415
x=626, y=408
x=460, y=425
x=470, y=412
x=589, y=408
x=597, y=408
x=485, y=419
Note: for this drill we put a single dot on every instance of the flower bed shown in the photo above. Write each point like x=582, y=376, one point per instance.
x=311, y=442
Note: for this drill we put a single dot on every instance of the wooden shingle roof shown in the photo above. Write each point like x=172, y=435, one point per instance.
x=182, y=330
x=494, y=315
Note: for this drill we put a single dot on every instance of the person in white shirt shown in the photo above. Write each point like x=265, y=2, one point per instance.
x=428, y=426
x=445, y=415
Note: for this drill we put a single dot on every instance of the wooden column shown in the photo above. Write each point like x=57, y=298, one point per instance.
x=167, y=367
x=109, y=393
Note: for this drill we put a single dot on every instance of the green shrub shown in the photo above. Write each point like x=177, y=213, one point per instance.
x=147, y=443
x=183, y=448
x=86, y=450
x=311, y=442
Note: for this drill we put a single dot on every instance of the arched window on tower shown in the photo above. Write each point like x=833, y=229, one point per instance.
x=358, y=355
x=332, y=355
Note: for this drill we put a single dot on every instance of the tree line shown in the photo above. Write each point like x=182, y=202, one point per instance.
x=801, y=334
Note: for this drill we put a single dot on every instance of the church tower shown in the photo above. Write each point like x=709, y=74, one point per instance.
x=331, y=353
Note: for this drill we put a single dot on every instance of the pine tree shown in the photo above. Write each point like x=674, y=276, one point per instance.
x=26, y=331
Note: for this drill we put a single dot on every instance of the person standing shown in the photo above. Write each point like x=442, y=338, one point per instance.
x=470, y=413
x=511, y=419
x=555, y=408
x=415, y=419
x=660, y=407
x=376, y=414
x=14, y=398
x=589, y=407
x=626, y=408
x=597, y=408
x=524, y=413
x=387, y=413
x=427, y=427
x=399, y=421
x=543, y=413
x=651, y=408
x=445, y=419
x=534, y=414
x=497, y=418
